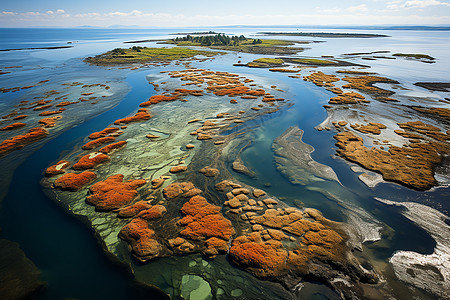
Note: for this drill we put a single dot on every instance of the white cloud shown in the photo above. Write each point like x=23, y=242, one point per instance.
x=49, y=12
x=60, y=11
x=8, y=13
x=358, y=8
x=412, y=4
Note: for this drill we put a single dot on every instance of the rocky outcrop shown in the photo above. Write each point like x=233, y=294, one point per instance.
x=209, y=172
x=177, y=169
x=113, y=193
x=180, y=189
x=141, y=238
x=74, y=181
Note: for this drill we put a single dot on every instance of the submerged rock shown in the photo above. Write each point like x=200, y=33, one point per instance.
x=293, y=158
x=19, y=277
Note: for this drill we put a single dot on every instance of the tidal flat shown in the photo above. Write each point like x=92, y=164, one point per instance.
x=226, y=167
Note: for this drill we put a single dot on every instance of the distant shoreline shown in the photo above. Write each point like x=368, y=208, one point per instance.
x=326, y=34
x=38, y=48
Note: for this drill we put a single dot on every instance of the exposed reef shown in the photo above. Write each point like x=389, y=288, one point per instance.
x=21, y=141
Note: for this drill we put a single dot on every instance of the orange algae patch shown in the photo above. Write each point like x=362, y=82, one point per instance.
x=411, y=166
x=95, y=143
x=102, y=133
x=20, y=141
x=112, y=147
x=158, y=98
x=113, y=193
x=50, y=112
x=49, y=122
x=65, y=103
x=141, y=115
x=19, y=117
x=204, y=220
x=90, y=161
x=141, y=239
x=266, y=259
x=73, y=181
x=132, y=210
x=13, y=126
x=57, y=168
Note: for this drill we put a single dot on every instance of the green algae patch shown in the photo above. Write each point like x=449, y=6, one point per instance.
x=313, y=61
x=273, y=61
x=414, y=56
x=143, y=54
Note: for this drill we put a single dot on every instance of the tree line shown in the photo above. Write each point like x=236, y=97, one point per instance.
x=213, y=40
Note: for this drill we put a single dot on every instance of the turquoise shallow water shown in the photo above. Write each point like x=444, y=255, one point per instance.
x=69, y=256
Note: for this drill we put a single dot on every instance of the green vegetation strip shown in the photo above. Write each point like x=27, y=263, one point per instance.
x=143, y=54
x=313, y=61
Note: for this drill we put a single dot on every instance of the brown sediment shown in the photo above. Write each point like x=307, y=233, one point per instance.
x=178, y=169
x=283, y=70
x=365, y=83
x=20, y=141
x=320, y=79
x=374, y=128
x=348, y=98
x=113, y=193
x=73, y=181
x=439, y=111
x=180, y=189
x=426, y=129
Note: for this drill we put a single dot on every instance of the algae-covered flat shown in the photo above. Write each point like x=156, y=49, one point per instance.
x=144, y=54
x=417, y=56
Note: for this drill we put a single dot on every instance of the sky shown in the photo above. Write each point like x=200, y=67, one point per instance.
x=182, y=13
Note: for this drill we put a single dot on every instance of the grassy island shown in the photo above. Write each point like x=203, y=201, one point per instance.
x=143, y=54
x=238, y=43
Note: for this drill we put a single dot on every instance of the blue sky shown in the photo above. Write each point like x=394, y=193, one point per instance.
x=177, y=13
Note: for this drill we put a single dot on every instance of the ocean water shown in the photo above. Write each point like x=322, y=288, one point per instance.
x=66, y=250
